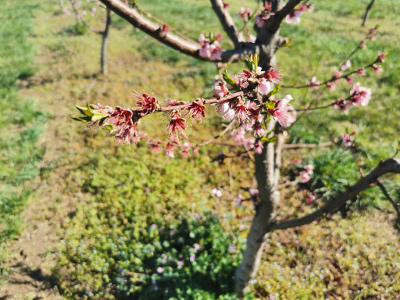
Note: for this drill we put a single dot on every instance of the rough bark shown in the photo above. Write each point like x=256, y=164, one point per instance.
x=227, y=22
x=269, y=198
x=104, y=39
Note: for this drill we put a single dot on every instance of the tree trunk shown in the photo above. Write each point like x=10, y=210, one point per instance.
x=267, y=172
x=265, y=211
x=104, y=37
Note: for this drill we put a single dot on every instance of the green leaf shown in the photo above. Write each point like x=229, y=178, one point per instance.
x=275, y=90
x=82, y=119
x=87, y=111
x=228, y=79
x=97, y=117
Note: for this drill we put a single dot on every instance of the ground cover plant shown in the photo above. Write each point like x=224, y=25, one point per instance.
x=348, y=258
x=21, y=122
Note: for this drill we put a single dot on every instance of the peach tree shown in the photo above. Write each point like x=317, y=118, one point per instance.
x=258, y=114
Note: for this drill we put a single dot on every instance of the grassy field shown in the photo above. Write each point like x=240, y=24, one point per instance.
x=21, y=121
x=120, y=213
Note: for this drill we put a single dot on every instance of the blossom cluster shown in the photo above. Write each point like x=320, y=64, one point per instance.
x=210, y=47
x=306, y=174
x=294, y=16
x=358, y=96
x=264, y=15
x=348, y=138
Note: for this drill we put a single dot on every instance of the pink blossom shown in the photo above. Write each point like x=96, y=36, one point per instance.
x=196, y=247
x=261, y=20
x=254, y=192
x=239, y=200
x=336, y=76
x=361, y=71
x=346, y=65
x=147, y=104
x=216, y=193
x=169, y=150
x=294, y=17
x=360, y=95
x=205, y=50
x=342, y=105
x=363, y=46
x=372, y=38
x=240, y=111
x=381, y=56
x=241, y=79
x=291, y=115
x=215, y=51
x=314, y=83
x=159, y=270
x=310, y=198
x=218, y=36
x=248, y=143
x=192, y=257
x=185, y=152
x=172, y=102
x=273, y=75
x=244, y=13
x=165, y=28
x=304, y=177
x=349, y=80
x=309, y=169
x=372, y=30
x=104, y=110
x=124, y=124
x=258, y=147
x=225, y=110
x=197, y=110
x=331, y=86
x=347, y=139
x=280, y=111
x=377, y=68
x=306, y=7
x=220, y=90
x=238, y=136
x=232, y=248
x=258, y=130
x=155, y=147
x=265, y=86
x=177, y=126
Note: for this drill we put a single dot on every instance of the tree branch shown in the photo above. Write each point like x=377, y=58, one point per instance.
x=389, y=166
x=367, y=12
x=227, y=22
x=188, y=47
x=302, y=146
x=384, y=191
x=281, y=14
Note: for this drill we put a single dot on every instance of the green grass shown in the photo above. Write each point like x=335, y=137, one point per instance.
x=21, y=122
x=129, y=189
